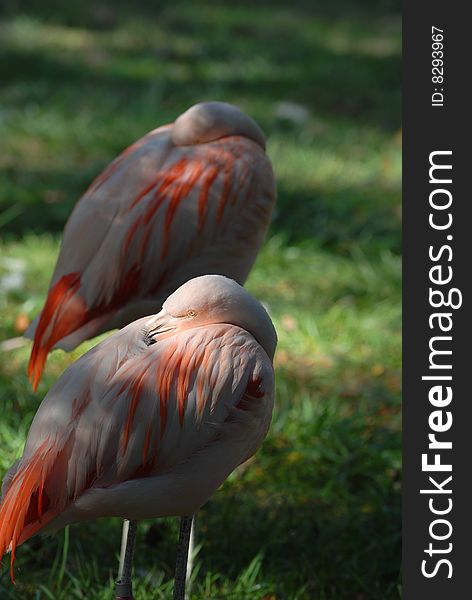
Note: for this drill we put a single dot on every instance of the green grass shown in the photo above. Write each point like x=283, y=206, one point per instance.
x=316, y=514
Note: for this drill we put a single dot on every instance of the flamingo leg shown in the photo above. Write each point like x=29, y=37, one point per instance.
x=181, y=570
x=123, y=589
x=191, y=558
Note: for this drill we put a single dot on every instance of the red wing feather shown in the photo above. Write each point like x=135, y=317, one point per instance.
x=63, y=313
x=21, y=511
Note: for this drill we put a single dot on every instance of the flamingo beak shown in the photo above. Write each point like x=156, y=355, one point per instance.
x=160, y=323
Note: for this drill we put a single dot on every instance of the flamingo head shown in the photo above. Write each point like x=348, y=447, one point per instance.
x=214, y=299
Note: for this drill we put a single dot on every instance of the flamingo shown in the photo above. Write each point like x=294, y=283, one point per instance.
x=149, y=422
x=187, y=199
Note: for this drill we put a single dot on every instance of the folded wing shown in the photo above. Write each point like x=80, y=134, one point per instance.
x=156, y=217
x=126, y=410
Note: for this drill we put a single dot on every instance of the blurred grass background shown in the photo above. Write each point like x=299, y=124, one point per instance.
x=316, y=515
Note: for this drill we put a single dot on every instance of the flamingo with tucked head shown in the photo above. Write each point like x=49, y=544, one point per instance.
x=151, y=421
x=187, y=199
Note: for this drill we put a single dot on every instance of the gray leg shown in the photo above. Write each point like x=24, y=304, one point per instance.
x=182, y=556
x=123, y=589
x=191, y=558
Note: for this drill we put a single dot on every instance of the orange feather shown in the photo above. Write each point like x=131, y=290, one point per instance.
x=63, y=312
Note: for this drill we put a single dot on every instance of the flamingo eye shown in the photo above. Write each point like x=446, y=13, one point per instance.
x=191, y=313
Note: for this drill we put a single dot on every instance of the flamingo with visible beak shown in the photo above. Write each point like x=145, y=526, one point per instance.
x=151, y=421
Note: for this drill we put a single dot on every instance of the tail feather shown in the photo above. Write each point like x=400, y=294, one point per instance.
x=21, y=510
x=63, y=313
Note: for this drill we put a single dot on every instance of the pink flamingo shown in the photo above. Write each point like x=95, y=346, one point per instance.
x=187, y=199
x=151, y=421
